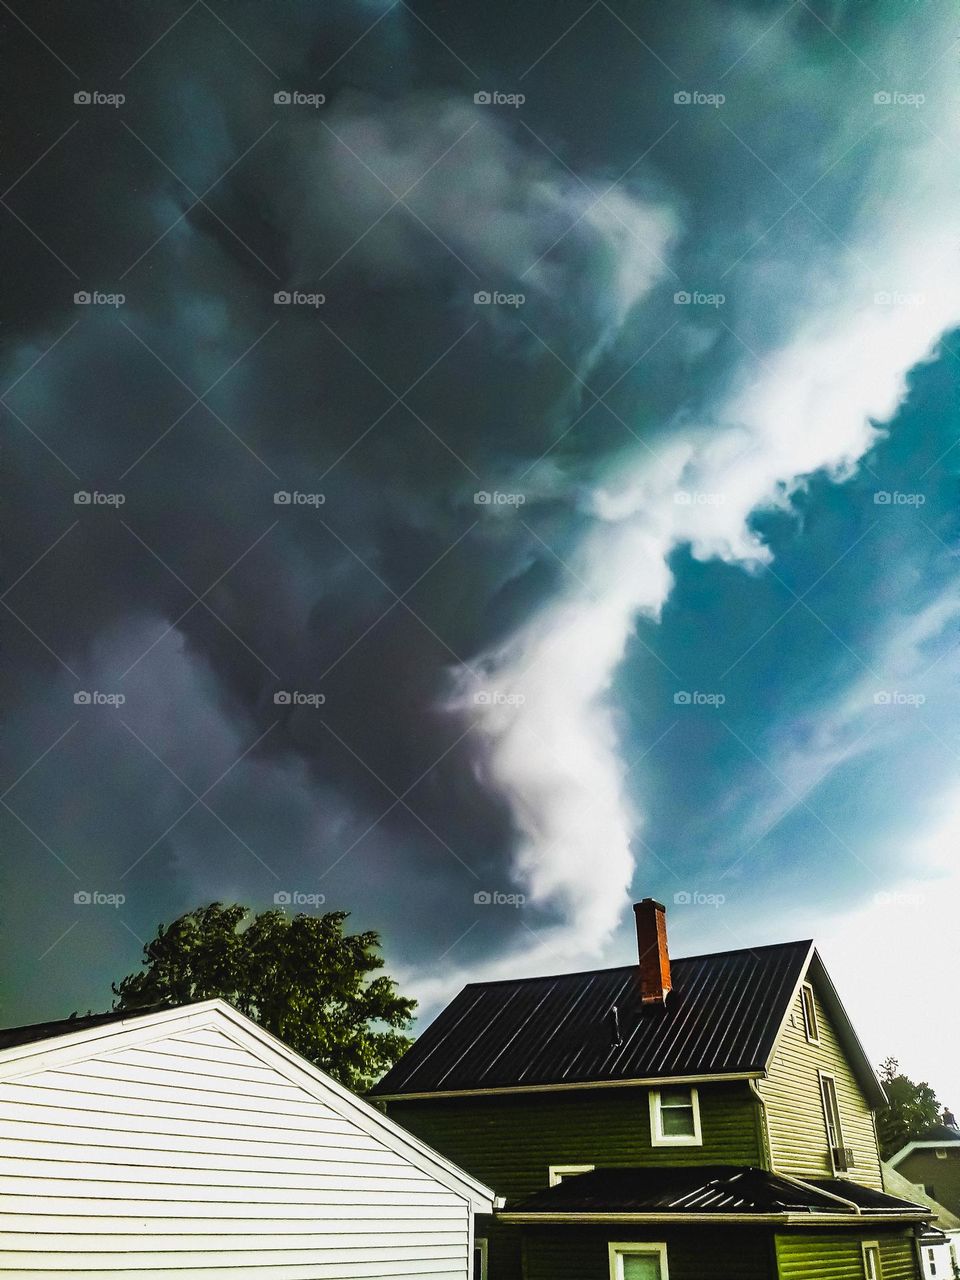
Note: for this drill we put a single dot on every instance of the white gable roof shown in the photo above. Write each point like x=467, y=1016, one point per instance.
x=141, y=1028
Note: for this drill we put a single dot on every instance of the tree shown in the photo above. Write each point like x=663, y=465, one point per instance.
x=301, y=978
x=911, y=1109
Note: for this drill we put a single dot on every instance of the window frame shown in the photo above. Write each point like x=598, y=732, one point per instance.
x=482, y=1245
x=617, y=1249
x=825, y=1076
x=873, y=1274
x=658, y=1138
x=557, y=1172
x=808, y=1007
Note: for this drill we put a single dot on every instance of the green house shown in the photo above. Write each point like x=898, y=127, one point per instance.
x=705, y=1118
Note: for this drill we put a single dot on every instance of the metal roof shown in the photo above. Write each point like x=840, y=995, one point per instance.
x=707, y=1189
x=12, y=1036
x=722, y=1017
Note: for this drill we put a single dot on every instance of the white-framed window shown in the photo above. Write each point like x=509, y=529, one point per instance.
x=831, y=1119
x=675, y=1116
x=811, y=1027
x=560, y=1172
x=480, y=1259
x=871, y=1260
x=638, y=1261
x=941, y=1153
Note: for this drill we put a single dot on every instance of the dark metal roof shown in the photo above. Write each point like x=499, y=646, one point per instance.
x=12, y=1036
x=707, y=1189
x=721, y=1017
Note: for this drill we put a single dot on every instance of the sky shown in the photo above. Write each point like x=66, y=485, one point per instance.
x=475, y=467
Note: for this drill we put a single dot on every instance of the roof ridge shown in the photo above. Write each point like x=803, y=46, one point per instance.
x=806, y=943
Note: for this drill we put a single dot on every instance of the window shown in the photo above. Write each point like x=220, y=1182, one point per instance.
x=831, y=1115
x=638, y=1262
x=560, y=1172
x=931, y=1262
x=480, y=1260
x=871, y=1260
x=810, y=1025
x=675, y=1117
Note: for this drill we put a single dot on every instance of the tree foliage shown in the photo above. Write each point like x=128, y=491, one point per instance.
x=911, y=1109
x=301, y=978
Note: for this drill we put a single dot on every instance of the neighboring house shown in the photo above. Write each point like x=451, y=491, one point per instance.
x=191, y=1143
x=705, y=1119
x=933, y=1161
x=940, y=1243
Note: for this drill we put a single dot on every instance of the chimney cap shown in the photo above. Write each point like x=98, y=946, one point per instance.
x=649, y=902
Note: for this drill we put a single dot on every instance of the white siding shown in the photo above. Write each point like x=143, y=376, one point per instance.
x=191, y=1154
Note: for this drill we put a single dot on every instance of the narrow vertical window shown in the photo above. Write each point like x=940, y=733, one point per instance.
x=810, y=1025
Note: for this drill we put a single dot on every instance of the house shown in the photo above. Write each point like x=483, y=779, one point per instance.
x=189, y=1142
x=940, y=1242
x=706, y=1118
x=933, y=1161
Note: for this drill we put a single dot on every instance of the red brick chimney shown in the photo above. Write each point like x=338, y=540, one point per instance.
x=652, y=948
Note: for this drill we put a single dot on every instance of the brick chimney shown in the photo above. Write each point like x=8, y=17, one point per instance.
x=655, y=981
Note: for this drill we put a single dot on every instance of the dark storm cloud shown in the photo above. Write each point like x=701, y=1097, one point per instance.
x=397, y=399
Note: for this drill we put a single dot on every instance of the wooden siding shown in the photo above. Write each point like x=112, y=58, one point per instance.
x=791, y=1091
x=694, y=1253
x=509, y=1141
x=816, y=1256
x=190, y=1154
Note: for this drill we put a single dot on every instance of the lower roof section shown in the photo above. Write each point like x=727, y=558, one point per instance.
x=709, y=1193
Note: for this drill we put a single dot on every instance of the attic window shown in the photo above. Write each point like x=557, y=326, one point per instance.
x=558, y=1173
x=810, y=1025
x=675, y=1117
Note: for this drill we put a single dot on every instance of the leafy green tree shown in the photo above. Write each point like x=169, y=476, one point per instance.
x=301, y=978
x=911, y=1109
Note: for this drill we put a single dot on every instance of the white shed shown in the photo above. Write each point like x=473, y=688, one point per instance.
x=191, y=1143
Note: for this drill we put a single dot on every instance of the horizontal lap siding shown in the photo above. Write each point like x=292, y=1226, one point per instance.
x=190, y=1155
x=814, y=1256
x=791, y=1091
x=509, y=1142
x=582, y=1253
